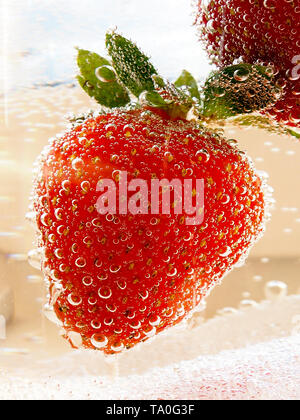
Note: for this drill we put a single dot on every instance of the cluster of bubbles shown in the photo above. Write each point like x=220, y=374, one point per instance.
x=247, y=90
x=89, y=286
x=253, y=32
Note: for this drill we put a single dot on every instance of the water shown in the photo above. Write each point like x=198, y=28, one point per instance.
x=34, y=31
x=246, y=341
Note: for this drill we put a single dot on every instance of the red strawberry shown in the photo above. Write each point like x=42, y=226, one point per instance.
x=117, y=279
x=255, y=31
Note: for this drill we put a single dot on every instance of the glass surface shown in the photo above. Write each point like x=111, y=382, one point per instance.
x=246, y=341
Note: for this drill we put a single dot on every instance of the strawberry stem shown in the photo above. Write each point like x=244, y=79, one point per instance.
x=234, y=93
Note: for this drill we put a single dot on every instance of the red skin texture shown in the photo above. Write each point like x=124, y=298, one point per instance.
x=234, y=29
x=156, y=273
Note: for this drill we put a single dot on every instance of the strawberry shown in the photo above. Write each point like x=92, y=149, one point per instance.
x=119, y=278
x=257, y=31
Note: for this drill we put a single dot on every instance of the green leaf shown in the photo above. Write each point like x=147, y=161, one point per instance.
x=133, y=67
x=188, y=81
x=264, y=123
x=239, y=89
x=152, y=99
x=99, y=80
x=293, y=133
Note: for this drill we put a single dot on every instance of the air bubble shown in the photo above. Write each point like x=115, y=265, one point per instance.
x=34, y=259
x=203, y=155
x=130, y=314
x=87, y=281
x=117, y=347
x=269, y=4
x=225, y=199
x=77, y=164
x=111, y=308
x=85, y=186
x=105, y=293
x=102, y=276
x=155, y=321
x=74, y=300
x=105, y=74
x=45, y=219
x=150, y=332
x=122, y=284
x=247, y=303
x=135, y=326
x=241, y=75
x=96, y=325
x=275, y=290
x=80, y=262
x=99, y=341
x=172, y=273
x=225, y=252
x=58, y=214
x=59, y=253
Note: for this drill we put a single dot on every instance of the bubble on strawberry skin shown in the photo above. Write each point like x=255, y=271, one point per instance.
x=74, y=300
x=225, y=252
x=105, y=293
x=77, y=164
x=80, y=262
x=99, y=341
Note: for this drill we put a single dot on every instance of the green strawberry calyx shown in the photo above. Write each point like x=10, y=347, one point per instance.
x=233, y=94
